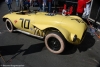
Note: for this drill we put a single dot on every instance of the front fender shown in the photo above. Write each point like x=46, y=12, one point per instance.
x=65, y=33
x=7, y=16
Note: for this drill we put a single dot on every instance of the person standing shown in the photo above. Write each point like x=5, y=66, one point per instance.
x=31, y=2
x=44, y=4
x=40, y=5
x=80, y=7
x=26, y=4
x=17, y=3
x=9, y=2
x=49, y=7
x=22, y=4
x=87, y=9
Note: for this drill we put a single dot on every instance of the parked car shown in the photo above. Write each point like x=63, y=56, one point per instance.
x=55, y=29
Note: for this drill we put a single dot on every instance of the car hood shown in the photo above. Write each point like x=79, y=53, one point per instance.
x=43, y=16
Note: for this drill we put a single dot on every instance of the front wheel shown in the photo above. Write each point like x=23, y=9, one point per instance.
x=9, y=25
x=55, y=42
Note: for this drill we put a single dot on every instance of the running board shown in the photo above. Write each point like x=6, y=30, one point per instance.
x=28, y=33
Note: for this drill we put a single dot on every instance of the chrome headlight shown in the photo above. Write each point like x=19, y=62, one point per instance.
x=73, y=37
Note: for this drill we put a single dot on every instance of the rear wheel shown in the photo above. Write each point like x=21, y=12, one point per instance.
x=55, y=42
x=9, y=25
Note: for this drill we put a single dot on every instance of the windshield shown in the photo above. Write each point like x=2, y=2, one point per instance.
x=26, y=12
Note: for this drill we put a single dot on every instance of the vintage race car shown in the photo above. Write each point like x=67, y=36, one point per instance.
x=55, y=29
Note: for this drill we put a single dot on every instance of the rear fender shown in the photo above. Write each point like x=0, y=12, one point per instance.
x=63, y=31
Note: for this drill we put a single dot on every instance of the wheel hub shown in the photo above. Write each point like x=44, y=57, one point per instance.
x=54, y=44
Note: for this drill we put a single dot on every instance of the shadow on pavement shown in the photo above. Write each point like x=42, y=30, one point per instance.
x=98, y=65
x=87, y=43
x=34, y=48
x=9, y=50
x=15, y=50
x=1, y=1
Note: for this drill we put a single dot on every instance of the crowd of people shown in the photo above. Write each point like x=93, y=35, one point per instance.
x=82, y=9
x=25, y=4
x=83, y=6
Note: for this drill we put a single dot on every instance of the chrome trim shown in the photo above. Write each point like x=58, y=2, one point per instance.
x=28, y=33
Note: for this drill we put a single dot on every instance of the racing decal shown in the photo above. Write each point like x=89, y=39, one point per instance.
x=78, y=20
x=15, y=21
x=38, y=32
x=31, y=29
x=25, y=23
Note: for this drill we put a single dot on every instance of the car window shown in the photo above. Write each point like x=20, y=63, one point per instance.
x=21, y=13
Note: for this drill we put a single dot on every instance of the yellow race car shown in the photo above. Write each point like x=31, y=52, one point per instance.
x=55, y=29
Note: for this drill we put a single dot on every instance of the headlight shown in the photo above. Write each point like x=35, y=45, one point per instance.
x=73, y=37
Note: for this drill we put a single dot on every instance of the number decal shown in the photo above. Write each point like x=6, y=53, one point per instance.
x=25, y=23
x=22, y=22
x=38, y=32
x=78, y=20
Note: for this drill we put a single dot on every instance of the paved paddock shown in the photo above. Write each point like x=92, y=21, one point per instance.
x=26, y=51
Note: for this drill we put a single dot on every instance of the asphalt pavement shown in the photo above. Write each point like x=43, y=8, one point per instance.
x=20, y=50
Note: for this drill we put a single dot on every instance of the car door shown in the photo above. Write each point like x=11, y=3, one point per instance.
x=24, y=22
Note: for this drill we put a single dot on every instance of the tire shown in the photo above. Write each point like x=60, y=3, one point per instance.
x=9, y=25
x=55, y=42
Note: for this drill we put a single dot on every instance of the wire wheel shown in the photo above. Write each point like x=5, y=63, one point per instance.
x=55, y=42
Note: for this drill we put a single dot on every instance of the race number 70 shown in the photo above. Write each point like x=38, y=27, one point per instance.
x=25, y=23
